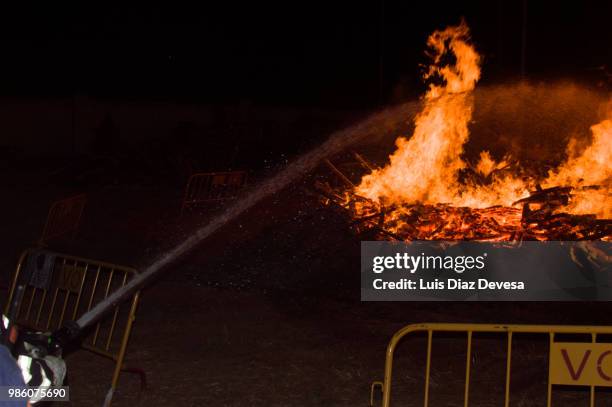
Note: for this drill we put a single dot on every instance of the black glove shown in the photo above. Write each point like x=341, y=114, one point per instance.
x=40, y=344
x=62, y=337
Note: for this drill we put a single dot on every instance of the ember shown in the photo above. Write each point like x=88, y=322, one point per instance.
x=428, y=191
x=446, y=222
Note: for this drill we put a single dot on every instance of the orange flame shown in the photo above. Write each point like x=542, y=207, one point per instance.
x=425, y=168
x=486, y=165
x=592, y=167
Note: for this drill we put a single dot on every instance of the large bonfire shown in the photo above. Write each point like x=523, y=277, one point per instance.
x=423, y=192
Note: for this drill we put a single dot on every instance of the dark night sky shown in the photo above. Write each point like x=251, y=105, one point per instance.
x=314, y=52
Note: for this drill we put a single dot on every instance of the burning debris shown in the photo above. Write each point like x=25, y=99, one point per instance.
x=428, y=191
x=446, y=222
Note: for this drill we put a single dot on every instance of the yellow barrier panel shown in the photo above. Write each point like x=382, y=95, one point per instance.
x=75, y=285
x=63, y=218
x=581, y=364
x=212, y=187
x=570, y=363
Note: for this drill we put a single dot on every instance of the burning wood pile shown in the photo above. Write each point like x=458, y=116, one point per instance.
x=423, y=192
x=538, y=216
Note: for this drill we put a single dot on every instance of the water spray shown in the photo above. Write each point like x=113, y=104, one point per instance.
x=338, y=141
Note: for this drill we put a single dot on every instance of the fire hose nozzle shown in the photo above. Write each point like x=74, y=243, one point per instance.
x=41, y=344
x=62, y=337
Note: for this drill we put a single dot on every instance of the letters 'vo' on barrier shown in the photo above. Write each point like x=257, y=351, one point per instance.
x=587, y=363
x=61, y=287
x=203, y=188
x=63, y=218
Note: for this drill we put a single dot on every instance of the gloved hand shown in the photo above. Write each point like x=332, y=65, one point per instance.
x=62, y=337
x=40, y=344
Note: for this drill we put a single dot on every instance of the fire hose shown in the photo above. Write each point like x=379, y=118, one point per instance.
x=337, y=142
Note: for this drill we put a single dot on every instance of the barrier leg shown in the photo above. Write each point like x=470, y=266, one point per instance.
x=122, y=350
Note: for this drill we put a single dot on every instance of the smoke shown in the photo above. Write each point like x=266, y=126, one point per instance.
x=533, y=122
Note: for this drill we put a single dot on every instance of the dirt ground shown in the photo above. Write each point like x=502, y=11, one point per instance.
x=267, y=312
x=220, y=347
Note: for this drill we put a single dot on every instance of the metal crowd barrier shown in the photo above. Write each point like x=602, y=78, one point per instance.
x=203, y=188
x=585, y=363
x=63, y=218
x=62, y=287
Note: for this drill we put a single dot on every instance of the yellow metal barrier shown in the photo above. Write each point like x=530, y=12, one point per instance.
x=211, y=187
x=75, y=286
x=63, y=218
x=574, y=363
